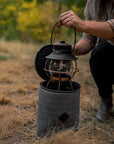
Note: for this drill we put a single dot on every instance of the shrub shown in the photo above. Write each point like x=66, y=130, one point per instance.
x=36, y=21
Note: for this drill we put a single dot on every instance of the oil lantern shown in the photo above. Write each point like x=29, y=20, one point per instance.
x=59, y=96
x=61, y=65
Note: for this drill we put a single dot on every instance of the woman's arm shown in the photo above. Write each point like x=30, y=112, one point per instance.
x=82, y=47
x=99, y=29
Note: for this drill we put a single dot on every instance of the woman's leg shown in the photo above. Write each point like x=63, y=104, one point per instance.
x=102, y=68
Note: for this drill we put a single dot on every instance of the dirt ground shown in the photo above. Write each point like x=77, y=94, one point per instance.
x=19, y=84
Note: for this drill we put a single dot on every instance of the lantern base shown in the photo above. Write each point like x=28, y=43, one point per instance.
x=57, y=109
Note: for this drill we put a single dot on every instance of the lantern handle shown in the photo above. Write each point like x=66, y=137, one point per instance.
x=74, y=35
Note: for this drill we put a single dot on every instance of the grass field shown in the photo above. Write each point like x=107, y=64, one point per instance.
x=19, y=84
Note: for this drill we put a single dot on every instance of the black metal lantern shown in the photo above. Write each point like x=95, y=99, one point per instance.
x=59, y=97
x=61, y=65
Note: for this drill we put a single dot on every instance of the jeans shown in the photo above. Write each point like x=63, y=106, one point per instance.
x=102, y=68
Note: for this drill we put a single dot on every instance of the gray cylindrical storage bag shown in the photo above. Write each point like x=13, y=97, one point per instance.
x=57, y=110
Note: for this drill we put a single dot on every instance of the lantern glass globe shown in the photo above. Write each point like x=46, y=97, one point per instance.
x=61, y=69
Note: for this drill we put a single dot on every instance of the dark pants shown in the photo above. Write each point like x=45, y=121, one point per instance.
x=102, y=68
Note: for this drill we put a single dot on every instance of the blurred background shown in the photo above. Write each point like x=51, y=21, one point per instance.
x=25, y=27
x=32, y=20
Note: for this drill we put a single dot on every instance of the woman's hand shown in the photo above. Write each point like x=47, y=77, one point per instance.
x=94, y=28
x=70, y=19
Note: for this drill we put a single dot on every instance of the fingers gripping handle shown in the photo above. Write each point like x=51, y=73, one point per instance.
x=53, y=31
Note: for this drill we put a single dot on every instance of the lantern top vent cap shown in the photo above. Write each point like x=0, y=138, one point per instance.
x=62, y=45
x=61, y=51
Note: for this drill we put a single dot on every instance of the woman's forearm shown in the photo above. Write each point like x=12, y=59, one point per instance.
x=82, y=47
x=99, y=29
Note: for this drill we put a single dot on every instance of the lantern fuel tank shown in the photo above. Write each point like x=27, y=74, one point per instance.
x=57, y=110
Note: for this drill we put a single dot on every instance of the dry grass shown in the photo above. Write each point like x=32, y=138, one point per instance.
x=4, y=101
x=19, y=95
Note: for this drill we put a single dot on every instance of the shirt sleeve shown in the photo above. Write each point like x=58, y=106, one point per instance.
x=91, y=39
x=111, y=22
